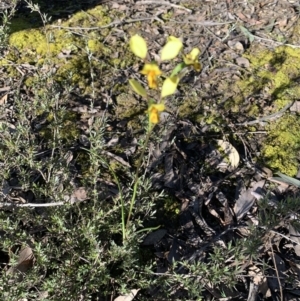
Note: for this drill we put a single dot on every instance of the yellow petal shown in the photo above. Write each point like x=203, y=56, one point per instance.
x=197, y=66
x=137, y=87
x=191, y=57
x=171, y=49
x=151, y=68
x=194, y=54
x=153, y=116
x=159, y=107
x=138, y=46
x=169, y=86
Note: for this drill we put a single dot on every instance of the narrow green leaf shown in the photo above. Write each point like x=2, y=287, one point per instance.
x=289, y=180
x=137, y=87
x=178, y=68
x=247, y=33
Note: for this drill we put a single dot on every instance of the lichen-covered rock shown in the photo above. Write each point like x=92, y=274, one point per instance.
x=71, y=48
x=276, y=73
x=281, y=149
x=127, y=106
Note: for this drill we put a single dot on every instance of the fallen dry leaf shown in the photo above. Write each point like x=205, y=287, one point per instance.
x=25, y=262
x=80, y=194
x=246, y=200
x=295, y=107
x=295, y=236
x=242, y=62
x=128, y=297
x=236, y=45
x=3, y=100
x=231, y=154
x=153, y=237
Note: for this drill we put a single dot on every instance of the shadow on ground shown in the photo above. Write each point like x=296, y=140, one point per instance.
x=56, y=9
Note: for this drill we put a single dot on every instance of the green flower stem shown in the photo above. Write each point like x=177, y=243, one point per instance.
x=136, y=177
x=122, y=203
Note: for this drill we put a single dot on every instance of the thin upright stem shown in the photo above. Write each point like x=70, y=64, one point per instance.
x=136, y=177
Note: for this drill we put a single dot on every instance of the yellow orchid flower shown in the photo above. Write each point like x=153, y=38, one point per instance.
x=138, y=46
x=171, y=49
x=192, y=59
x=153, y=111
x=152, y=71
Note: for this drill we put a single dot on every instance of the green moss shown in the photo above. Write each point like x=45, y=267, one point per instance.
x=25, y=39
x=281, y=148
x=62, y=125
x=128, y=106
x=190, y=108
x=253, y=110
x=98, y=16
x=295, y=37
x=76, y=71
x=20, y=23
x=274, y=74
x=167, y=16
x=168, y=211
x=171, y=206
x=210, y=119
x=94, y=46
x=84, y=161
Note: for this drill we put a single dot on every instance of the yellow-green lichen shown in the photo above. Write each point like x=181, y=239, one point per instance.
x=94, y=45
x=98, y=16
x=168, y=211
x=73, y=51
x=171, y=206
x=128, y=106
x=281, y=149
x=61, y=126
x=167, y=15
x=190, y=107
x=274, y=76
x=295, y=37
x=275, y=73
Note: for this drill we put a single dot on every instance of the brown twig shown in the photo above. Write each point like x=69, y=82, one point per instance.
x=203, y=23
x=276, y=270
x=269, y=117
x=114, y=23
x=163, y=3
x=284, y=236
x=33, y=205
